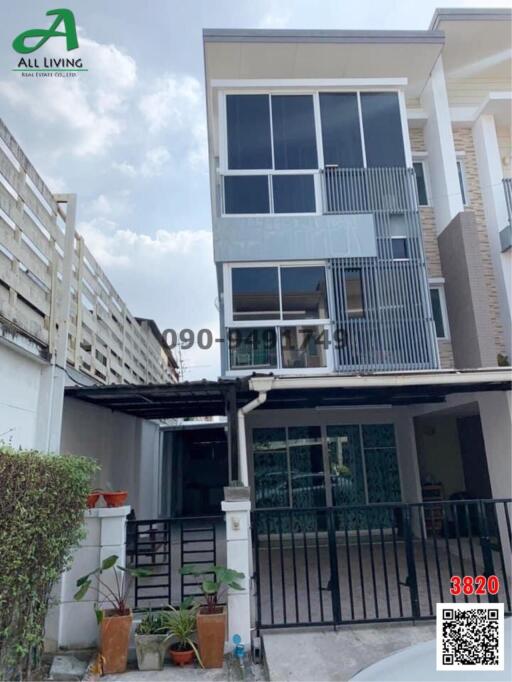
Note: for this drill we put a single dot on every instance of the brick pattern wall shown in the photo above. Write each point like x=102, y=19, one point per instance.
x=463, y=139
x=430, y=245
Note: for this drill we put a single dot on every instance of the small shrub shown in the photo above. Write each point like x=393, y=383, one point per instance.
x=42, y=500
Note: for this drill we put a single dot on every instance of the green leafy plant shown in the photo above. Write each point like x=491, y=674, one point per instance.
x=151, y=624
x=180, y=624
x=117, y=594
x=223, y=578
x=42, y=502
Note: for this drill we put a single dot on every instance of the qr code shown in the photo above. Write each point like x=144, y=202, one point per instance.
x=470, y=636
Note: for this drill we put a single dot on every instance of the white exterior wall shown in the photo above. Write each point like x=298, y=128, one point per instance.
x=126, y=448
x=20, y=379
x=491, y=174
x=444, y=181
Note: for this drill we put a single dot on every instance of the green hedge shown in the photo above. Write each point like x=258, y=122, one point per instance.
x=42, y=500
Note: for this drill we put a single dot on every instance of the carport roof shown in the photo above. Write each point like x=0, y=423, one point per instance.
x=208, y=398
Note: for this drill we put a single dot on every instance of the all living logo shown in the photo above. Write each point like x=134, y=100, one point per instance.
x=31, y=40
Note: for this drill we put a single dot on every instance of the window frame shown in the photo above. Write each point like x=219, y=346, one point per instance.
x=416, y=158
x=439, y=285
x=230, y=323
x=224, y=170
x=405, y=238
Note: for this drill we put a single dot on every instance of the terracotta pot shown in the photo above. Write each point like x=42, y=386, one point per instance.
x=114, y=640
x=179, y=657
x=92, y=499
x=116, y=499
x=211, y=634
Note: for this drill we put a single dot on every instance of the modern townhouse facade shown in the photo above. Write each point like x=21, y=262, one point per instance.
x=61, y=320
x=365, y=388
x=358, y=185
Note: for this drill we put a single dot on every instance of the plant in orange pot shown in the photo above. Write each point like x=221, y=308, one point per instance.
x=212, y=617
x=115, y=622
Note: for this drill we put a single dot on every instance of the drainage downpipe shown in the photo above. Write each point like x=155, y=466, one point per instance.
x=263, y=386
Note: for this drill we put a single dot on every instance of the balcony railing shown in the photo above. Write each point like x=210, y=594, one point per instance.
x=369, y=190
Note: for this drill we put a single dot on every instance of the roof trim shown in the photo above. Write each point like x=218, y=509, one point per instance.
x=469, y=14
x=237, y=35
x=427, y=378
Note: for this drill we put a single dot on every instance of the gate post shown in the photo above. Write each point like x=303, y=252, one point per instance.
x=239, y=558
x=412, y=579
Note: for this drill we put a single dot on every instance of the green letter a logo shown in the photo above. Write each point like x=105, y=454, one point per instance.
x=62, y=16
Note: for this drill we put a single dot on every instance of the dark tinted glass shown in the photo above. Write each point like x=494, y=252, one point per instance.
x=382, y=129
x=248, y=124
x=435, y=297
x=255, y=293
x=461, y=182
x=421, y=184
x=354, y=293
x=246, y=194
x=293, y=128
x=341, y=133
x=294, y=193
x=399, y=247
x=304, y=294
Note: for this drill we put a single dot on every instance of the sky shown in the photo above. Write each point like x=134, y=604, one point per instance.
x=129, y=135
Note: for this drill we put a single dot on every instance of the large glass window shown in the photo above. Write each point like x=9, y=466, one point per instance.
x=304, y=293
x=248, y=123
x=341, y=131
x=253, y=347
x=283, y=294
x=293, y=129
x=246, y=194
x=382, y=127
x=255, y=294
x=288, y=468
x=361, y=464
x=303, y=347
x=294, y=193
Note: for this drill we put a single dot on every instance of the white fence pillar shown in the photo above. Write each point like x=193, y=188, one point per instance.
x=238, y=553
x=71, y=624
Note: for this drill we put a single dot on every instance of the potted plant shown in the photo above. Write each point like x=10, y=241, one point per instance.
x=150, y=642
x=92, y=498
x=115, y=622
x=114, y=498
x=180, y=625
x=211, y=618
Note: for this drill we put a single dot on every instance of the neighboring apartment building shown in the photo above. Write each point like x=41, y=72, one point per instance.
x=61, y=320
x=358, y=203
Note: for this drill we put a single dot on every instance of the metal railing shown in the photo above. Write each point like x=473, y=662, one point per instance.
x=369, y=190
x=377, y=562
x=163, y=546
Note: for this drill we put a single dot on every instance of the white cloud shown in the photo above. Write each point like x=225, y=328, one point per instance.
x=88, y=110
x=154, y=163
x=171, y=102
x=175, y=104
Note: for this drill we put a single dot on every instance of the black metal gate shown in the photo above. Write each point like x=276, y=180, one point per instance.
x=163, y=546
x=377, y=562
